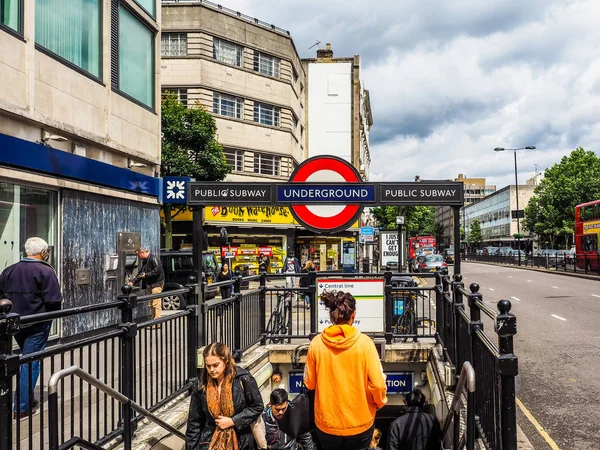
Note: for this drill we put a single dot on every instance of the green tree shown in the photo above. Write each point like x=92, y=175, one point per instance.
x=417, y=219
x=550, y=213
x=189, y=148
x=475, y=237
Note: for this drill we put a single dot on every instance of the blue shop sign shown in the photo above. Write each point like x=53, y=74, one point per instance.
x=367, y=231
x=174, y=190
x=295, y=382
x=400, y=382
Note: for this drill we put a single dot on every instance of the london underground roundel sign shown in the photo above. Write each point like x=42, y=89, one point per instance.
x=326, y=218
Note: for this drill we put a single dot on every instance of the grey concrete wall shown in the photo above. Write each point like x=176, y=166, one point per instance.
x=90, y=224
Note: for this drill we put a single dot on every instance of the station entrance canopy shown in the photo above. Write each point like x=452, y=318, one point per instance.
x=322, y=184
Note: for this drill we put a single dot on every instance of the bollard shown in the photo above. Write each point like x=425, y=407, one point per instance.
x=262, y=306
x=191, y=299
x=237, y=314
x=128, y=361
x=506, y=328
x=9, y=367
x=457, y=306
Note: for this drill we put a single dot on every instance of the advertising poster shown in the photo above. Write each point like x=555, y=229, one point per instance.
x=369, y=302
x=388, y=248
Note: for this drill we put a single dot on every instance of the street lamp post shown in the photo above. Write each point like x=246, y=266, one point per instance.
x=501, y=149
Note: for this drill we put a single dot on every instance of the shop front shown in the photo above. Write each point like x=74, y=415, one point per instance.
x=328, y=253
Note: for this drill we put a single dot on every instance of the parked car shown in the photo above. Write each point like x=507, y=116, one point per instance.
x=434, y=263
x=415, y=264
x=490, y=250
x=519, y=254
x=550, y=252
x=505, y=251
x=178, y=266
x=565, y=257
x=449, y=256
x=479, y=252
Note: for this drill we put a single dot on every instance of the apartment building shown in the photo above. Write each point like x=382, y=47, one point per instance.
x=248, y=75
x=79, y=137
x=475, y=189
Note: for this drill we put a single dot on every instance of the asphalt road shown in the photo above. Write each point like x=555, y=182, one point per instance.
x=558, y=346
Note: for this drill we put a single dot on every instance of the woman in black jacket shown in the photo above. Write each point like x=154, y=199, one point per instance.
x=224, y=275
x=224, y=405
x=305, y=281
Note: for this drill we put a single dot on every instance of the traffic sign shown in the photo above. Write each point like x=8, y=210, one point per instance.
x=329, y=217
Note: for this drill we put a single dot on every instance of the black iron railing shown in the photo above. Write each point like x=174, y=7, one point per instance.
x=580, y=263
x=152, y=362
x=495, y=364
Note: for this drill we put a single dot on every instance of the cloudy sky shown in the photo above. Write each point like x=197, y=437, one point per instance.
x=452, y=80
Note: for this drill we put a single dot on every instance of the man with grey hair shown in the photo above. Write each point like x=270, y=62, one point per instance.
x=32, y=287
x=152, y=278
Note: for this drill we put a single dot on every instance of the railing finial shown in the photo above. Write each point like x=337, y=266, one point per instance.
x=504, y=306
x=474, y=288
x=458, y=277
x=126, y=289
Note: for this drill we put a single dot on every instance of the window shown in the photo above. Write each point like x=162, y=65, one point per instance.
x=589, y=242
x=294, y=122
x=181, y=93
x=173, y=44
x=228, y=105
x=71, y=30
x=227, y=52
x=294, y=75
x=590, y=212
x=148, y=5
x=11, y=14
x=267, y=164
x=235, y=158
x=135, y=58
x=266, y=64
x=266, y=114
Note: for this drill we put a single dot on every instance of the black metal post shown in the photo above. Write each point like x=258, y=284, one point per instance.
x=237, y=314
x=456, y=239
x=389, y=307
x=314, y=302
x=518, y=220
x=129, y=328
x=400, y=246
x=506, y=328
x=202, y=325
x=192, y=327
x=262, y=306
x=9, y=367
x=198, y=240
x=457, y=306
x=53, y=421
x=470, y=420
x=476, y=323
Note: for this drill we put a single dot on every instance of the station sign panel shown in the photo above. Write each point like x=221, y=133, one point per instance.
x=369, y=302
x=295, y=382
x=229, y=193
x=399, y=382
x=422, y=193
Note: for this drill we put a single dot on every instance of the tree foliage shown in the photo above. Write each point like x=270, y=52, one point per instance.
x=189, y=149
x=475, y=237
x=550, y=213
x=417, y=219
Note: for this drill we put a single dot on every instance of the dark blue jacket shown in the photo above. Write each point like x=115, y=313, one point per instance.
x=31, y=285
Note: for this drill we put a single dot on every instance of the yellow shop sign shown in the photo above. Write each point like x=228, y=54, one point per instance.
x=249, y=214
x=591, y=227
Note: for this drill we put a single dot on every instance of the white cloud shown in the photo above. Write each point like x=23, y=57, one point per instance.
x=449, y=81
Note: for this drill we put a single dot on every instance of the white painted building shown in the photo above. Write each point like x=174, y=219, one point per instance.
x=339, y=114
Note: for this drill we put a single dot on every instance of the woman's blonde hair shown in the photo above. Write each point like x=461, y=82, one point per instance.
x=308, y=264
x=224, y=353
x=375, y=439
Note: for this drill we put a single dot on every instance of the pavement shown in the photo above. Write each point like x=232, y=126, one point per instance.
x=558, y=346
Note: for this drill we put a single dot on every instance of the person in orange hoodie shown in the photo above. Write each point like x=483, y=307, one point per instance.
x=343, y=368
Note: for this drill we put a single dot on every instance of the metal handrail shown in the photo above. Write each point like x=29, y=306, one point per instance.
x=466, y=379
x=75, y=370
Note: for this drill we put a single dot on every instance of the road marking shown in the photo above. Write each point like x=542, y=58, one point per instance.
x=558, y=317
x=517, y=299
x=491, y=289
x=554, y=287
x=529, y=281
x=537, y=426
x=510, y=276
x=595, y=295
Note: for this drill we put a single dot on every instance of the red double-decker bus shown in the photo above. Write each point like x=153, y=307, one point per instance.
x=587, y=235
x=421, y=244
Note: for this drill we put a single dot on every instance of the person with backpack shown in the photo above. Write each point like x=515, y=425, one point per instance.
x=415, y=429
x=344, y=370
x=224, y=405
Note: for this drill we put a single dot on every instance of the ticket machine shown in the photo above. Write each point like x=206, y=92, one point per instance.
x=127, y=260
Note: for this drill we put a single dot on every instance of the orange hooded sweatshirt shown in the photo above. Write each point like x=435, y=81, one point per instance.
x=343, y=367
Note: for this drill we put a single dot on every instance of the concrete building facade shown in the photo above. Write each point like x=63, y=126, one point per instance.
x=475, y=189
x=79, y=136
x=248, y=75
x=339, y=109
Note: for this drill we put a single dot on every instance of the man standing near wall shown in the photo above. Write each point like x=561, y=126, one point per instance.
x=152, y=277
x=32, y=287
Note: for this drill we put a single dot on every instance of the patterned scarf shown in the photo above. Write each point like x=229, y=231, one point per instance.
x=223, y=406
